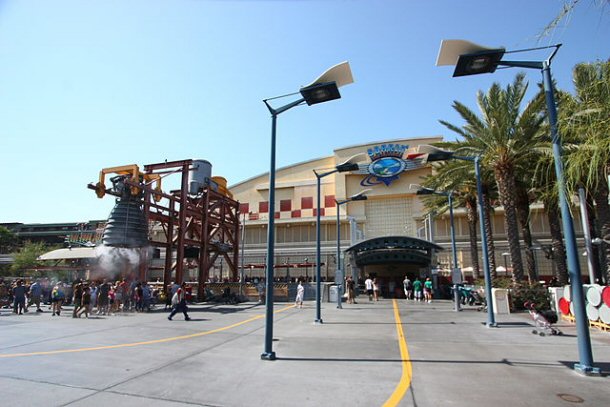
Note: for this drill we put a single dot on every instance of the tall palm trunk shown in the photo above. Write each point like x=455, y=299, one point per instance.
x=523, y=209
x=490, y=236
x=603, y=217
x=559, y=251
x=506, y=188
x=471, y=215
x=593, y=227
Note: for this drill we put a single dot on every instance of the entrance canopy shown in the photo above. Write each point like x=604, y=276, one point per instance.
x=393, y=249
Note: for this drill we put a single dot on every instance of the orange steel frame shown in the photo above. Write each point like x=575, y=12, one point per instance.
x=208, y=221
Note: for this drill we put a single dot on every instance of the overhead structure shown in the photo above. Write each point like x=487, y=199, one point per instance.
x=393, y=249
x=199, y=222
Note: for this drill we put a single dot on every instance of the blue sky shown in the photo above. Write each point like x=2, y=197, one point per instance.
x=86, y=85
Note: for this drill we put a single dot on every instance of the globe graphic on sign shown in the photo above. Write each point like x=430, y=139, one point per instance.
x=386, y=167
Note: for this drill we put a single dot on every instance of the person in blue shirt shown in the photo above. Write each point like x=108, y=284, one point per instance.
x=19, y=297
x=36, y=294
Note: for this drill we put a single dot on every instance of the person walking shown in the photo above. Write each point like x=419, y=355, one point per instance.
x=300, y=294
x=375, y=289
x=417, y=289
x=57, y=298
x=350, y=285
x=368, y=284
x=19, y=297
x=179, y=303
x=93, y=290
x=408, y=287
x=85, y=302
x=77, y=298
x=168, y=297
x=428, y=290
x=36, y=294
x=102, y=298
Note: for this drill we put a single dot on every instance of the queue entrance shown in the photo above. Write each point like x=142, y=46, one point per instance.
x=389, y=259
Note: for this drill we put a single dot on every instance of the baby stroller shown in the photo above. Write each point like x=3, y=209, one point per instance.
x=543, y=320
x=479, y=300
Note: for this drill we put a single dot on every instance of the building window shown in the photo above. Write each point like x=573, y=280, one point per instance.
x=263, y=207
x=285, y=205
x=244, y=207
x=307, y=202
x=295, y=214
x=329, y=201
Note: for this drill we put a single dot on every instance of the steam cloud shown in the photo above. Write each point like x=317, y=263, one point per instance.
x=113, y=261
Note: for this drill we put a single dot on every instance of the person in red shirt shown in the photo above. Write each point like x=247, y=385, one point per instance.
x=179, y=303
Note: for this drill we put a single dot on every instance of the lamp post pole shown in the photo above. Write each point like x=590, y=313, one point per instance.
x=505, y=255
x=582, y=327
x=340, y=271
x=340, y=277
x=323, y=89
x=491, y=319
x=319, y=177
x=456, y=275
x=268, y=353
x=242, y=275
x=346, y=166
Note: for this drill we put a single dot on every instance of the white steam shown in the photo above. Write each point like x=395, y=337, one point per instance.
x=120, y=261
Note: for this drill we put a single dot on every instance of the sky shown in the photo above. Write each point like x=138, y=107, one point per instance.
x=86, y=85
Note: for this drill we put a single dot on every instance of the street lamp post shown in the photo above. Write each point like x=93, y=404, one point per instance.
x=506, y=255
x=323, y=89
x=456, y=274
x=435, y=154
x=349, y=165
x=472, y=59
x=242, y=275
x=360, y=196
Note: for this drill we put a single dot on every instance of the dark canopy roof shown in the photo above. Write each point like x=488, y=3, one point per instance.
x=393, y=249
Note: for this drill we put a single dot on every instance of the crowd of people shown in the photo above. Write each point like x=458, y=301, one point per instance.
x=418, y=290
x=102, y=297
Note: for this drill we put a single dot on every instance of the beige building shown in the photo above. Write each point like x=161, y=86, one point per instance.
x=392, y=209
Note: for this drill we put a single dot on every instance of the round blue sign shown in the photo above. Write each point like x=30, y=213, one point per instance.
x=386, y=167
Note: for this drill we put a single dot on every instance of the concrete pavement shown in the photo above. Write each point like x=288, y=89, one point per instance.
x=366, y=354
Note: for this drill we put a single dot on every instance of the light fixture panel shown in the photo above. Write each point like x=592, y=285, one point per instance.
x=321, y=92
x=478, y=62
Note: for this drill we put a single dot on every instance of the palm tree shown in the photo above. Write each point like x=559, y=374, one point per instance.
x=545, y=185
x=586, y=118
x=503, y=137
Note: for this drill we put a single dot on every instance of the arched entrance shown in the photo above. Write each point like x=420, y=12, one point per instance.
x=389, y=259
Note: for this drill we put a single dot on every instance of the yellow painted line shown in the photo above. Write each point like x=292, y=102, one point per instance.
x=127, y=345
x=407, y=368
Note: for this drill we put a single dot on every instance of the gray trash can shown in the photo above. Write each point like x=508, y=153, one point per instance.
x=332, y=293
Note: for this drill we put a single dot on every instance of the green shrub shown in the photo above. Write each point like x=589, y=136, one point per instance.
x=520, y=293
x=535, y=293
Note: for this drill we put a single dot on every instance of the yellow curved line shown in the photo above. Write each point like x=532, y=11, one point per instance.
x=407, y=368
x=127, y=345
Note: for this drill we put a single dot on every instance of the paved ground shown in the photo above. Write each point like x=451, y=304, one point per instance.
x=357, y=357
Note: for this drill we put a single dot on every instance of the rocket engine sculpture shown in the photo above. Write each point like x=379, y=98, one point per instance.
x=126, y=226
x=194, y=226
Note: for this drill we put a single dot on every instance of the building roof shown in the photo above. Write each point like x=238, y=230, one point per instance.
x=70, y=254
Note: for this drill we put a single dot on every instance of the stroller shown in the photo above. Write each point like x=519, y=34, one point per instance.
x=479, y=300
x=543, y=320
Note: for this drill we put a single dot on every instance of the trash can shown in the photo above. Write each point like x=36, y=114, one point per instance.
x=500, y=301
x=332, y=293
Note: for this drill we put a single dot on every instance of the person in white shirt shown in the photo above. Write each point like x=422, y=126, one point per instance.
x=300, y=294
x=368, y=284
